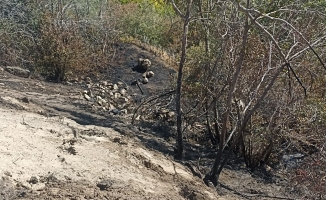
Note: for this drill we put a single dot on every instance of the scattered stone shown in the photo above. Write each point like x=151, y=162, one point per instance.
x=293, y=160
x=100, y=101
x=137, y=118
x=115, y=87
x=170, y=114
x=115, y=111
x=39, y=187
x=18, y=71
x=149, y=74
x=24, y=185
x=117, y=95
x=116, y=140
x=165, y=114
x=124, y=111
x=85, y=92
x=104, y=83
x=145, y=80
x=7, y=173
x=54, y=191
x=88, y=80
x=143, y=65
x=267, y=168
x=74, y=80
x=25, y=100
x=124, y=99
x=105, y=184
x=88, y=98
x=123, y=92
x=33, y=180
x=98, y=98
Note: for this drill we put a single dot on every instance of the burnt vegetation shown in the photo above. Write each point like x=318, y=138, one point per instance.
x=251, y=74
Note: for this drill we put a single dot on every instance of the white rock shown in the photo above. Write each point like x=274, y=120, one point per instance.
x=170, y=114
x=88, y=80
x=98, y=98
x=124, y=111
x=88, y=98
x=124, y=99
x=101, y=102
x=26, y=185
x=145, y=80
x=38, y=187
x=115, y=87
x=104, y=83
x=117, y=95
x=149, y=74
x=111, y=107
x=123, y=92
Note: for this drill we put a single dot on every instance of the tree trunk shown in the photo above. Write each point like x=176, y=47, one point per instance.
x=179, y=139
x=214, y=174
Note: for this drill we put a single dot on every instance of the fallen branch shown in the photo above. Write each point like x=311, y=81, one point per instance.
x=148, y=101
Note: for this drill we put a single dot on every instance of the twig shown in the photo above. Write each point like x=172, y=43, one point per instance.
x=141, y=90
x=154, y=98
x=123, y=82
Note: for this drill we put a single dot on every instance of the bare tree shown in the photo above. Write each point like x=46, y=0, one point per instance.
x=186, y=20
x=267, y=80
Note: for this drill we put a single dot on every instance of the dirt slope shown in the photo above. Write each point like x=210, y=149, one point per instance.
x=54, y=144
x=47, y=153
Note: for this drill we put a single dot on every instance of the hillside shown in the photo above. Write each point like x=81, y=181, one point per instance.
x=57, y=145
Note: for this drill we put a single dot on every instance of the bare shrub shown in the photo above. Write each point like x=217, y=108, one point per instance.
x=60, y=49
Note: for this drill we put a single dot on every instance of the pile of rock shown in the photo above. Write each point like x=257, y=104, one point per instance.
x=146, y=76
x=108, y=96
x=115, y=97
x=165, y=114
x=142, y=66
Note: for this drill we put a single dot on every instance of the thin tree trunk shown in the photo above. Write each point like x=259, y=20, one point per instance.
x=179, y=139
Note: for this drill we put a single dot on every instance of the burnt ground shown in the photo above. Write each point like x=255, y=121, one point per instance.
x=121, y=69
x=63, y=106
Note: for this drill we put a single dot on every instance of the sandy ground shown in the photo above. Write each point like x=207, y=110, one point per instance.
x=33, y=145
x=46, y=154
